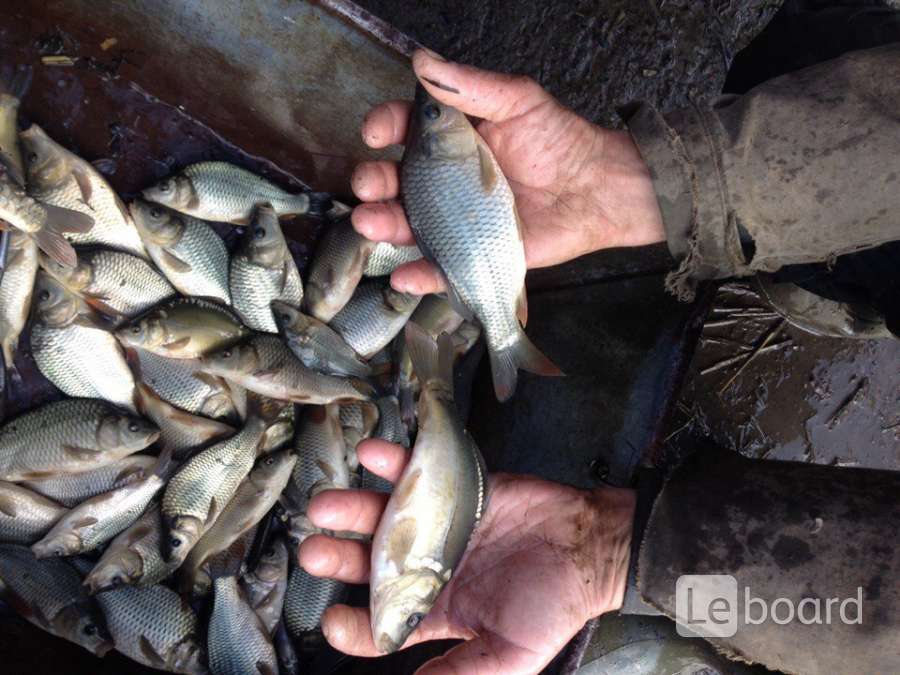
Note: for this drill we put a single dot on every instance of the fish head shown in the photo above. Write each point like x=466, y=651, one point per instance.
x=276, y=435
x=81, y=623
x=401, y=303
x=399, y=606
x=176, y=192
x=47, y=165
x=119, y=431
x=160, y=225
x=187, y=657
x=54, y=305
x=273, y=562
x=438, y=130
x=273, y=468
x=182, y=532
x=75, y=278
x=291, y=321
x=238, y=359
x=263, y=241
x=124, y=569
x=147, y=332
x=58, y=544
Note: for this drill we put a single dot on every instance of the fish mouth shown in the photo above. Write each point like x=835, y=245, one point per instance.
x=386, y=645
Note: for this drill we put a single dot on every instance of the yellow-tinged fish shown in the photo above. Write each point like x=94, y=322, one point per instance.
x=336, y=269
x=60, y=178
x=15, y=293
x=374, y=316
x=11, y=92
x=25, y=516
x=70, y=489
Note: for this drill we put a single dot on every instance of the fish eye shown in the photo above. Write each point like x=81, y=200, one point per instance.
x=415, y=619
x=133, y=427
x=285, y=317
x=135, y=330
x=431, y=111
x=165, y=186
x=226, y=354
x=44, y=295
x=156, y=212
x=270, y=552
x=59, y=553
x=116, y=580
x=269, y=461
x=174, y=542
x=32, y=156
x=89, y=630
x=259, y=232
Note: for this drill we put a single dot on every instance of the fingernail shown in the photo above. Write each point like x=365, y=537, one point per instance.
x=434, y=55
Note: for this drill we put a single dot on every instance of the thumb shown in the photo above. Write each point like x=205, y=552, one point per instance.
x=479, y=93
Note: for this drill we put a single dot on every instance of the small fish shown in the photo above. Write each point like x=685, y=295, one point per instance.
x=265, y=586
x=97, y=520
x=306, y=600
x=183, y=328
x=114, y=283
x=229, y=562
x=16, y=287
x=133, y=558
x=203, y=486
x=288, y=660
x=187, y=250
x=73, y=350
x=25, y=516
x=225, y=193
x=238, y=642
x=71, y=489
x=463, y=215
x=336, y=270
x=155, y=627
x=12, y=90
x=69, y=436
x=264, y=364
x=180, y=382
x=387, y=257
x=263, y=270
x=254, y=497
x=374, y=316
x=317, y=345
x=49, y=594
x=358, y=422
x=436, y=504
x=391, y=426
x=60, y=178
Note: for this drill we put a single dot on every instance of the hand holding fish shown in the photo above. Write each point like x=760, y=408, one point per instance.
x=578, y=187
x=544, y=560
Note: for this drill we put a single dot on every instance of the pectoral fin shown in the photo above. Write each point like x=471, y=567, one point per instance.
x=8, y=506
x=149, y=653
x=488, y=170
x=175, y=263
x=83, y=180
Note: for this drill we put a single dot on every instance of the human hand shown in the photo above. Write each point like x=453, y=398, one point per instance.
x=578, y=187
x=544, y=559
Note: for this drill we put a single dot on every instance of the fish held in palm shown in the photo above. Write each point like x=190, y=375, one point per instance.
x=70, y=436
x=114, y=283
x=238, y=641
x=337, y=267
x=183, y=328
x=224, y=193
x=73, y=349
x=25, y=516
x=60, y=178
x=463, y=215
x=264, y=364
x=186, y=250
x=97, y=520
x=49, y=594
x=317, y=345
x=262, y=271
x=70, y=489
x=374, y=316
x=16, y=288
x=415, y=555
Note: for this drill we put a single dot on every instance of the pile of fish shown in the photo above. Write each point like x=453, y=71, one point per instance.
x=208, y=394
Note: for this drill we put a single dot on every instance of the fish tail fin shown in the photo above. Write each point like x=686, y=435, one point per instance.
x=67, y=220
x=164, y=462
x=432, y=360
x=317, y=203
x=522, y=354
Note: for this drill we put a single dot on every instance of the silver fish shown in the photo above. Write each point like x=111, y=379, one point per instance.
x=155, y=627
x=25, y=516
x=463, y=215
x=336, y=270
x=62, y=179
x=203, y=486
x=187, y=250
x=307, y=598
x=74, y=351
x=255, y=496
x=317, y=345
x=133, y=558
x=263, y=364
x=374, y=316
x=358, y=422
x=16, y=286
x=265, y=586
x=414, y=555
x=180, y=382
x=49, y=594
x=114, y=283
x=71, y=489
x=97, y=520
x=263, y=270
x=288, y=660
x=391, y=426
x=387, y=257
x=225, y=193
x=233, y=560
x=69, y=436
x=238, y=641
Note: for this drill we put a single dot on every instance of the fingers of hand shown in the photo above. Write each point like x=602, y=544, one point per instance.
x=383, y=221
x=480, y=93
x=382, y=458
x=386, y=124
x=351, y=510
x=346, y=560
x=419, y=278
x=375, y=181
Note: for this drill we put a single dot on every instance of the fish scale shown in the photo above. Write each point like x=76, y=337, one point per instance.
x=336, y=269
x=254, y=287
x=15, y=291
x=237, y=190
x=387, y=257
x=238, y=642
x=71, y=489
x=126, y=283
x=307, y=598
x=266, y=585
x=25, y=516
x=367, y=323
x=179, y=382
